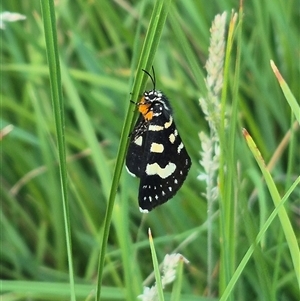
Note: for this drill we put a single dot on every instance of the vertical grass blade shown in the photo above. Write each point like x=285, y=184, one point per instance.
x=57, y=103
x=227, y=177
x=176, y=291
x=158, y=282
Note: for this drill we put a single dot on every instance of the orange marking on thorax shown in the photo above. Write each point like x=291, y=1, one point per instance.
x=144, y=109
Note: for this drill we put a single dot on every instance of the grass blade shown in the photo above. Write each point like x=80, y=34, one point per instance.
x=283, y=216
x=287, y=92
x=158, y=282
x=57, y=103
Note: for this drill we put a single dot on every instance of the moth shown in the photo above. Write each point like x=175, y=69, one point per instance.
x=156, y=153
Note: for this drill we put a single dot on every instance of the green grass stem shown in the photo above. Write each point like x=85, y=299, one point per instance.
x=58, y=109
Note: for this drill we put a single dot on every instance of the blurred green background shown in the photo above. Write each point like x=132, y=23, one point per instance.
x=96, y=43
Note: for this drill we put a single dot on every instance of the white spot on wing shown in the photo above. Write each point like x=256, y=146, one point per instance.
x=156, y=148
x=155, y=128
x=172, y=138
x=180, y=147
x=155, y=169
x=139, y=141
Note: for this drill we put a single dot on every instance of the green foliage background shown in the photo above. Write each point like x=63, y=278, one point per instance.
x=98, y=54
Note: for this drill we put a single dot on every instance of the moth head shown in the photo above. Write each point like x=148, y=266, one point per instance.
x=152, y=96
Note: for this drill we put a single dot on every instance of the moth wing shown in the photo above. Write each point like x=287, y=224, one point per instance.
x=136, y=154
x=166, y=168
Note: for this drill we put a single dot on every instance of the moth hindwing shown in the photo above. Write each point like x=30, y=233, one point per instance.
x=156, y=153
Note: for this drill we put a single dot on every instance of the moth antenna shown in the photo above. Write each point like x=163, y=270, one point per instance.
x=154, y=78
x=151, y=77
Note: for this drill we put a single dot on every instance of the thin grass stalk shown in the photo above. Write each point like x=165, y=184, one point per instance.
x=48, y=12
x=176, y=291
x=158, y=280
x=226, y=186
x=233, y=178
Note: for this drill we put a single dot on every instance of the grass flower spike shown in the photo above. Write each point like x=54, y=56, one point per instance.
x=170, y=264
x=211, y=107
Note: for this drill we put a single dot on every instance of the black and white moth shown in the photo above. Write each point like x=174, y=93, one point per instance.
x=156, y=153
